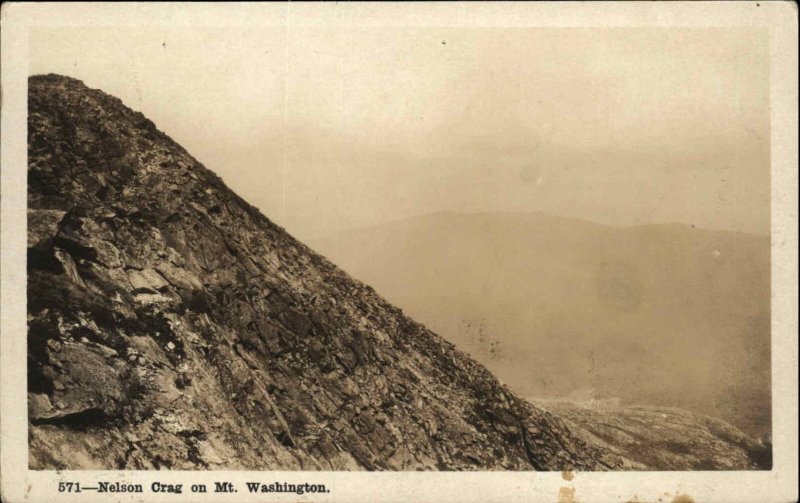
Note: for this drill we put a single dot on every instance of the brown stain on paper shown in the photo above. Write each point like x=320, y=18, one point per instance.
x=566, y=495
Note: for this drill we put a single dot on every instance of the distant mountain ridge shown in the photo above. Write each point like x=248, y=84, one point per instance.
x=661, y=314
x=359, y=229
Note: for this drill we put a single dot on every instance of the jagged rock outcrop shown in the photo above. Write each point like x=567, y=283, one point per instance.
x=172, y=325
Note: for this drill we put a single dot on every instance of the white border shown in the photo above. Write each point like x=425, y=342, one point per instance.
x=779, y=485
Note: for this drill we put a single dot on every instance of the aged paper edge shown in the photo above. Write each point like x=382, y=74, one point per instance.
x=780, y=484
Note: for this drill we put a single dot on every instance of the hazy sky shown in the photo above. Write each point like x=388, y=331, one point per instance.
x=326, y=129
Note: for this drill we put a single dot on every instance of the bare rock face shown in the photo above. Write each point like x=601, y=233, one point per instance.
x=172, y=325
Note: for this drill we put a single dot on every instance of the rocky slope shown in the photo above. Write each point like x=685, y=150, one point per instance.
x=666, y=315
x=663, y=437
x=172, y=325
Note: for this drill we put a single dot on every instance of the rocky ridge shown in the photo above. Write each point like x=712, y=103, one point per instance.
x=173, y=326
x=663, y=438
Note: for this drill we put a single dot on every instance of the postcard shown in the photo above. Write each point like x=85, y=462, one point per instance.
x=350, y=252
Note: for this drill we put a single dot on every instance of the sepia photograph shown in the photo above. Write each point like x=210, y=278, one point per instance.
x=354, y=242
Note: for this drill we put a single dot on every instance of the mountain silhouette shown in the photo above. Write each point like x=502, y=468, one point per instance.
x=666, y=315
